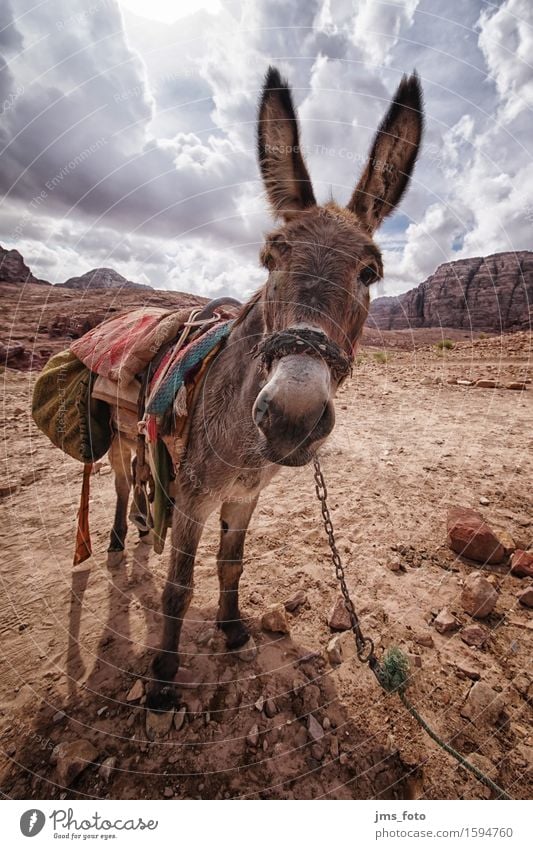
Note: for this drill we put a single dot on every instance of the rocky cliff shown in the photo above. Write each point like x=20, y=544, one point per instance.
x=13, y=269
x=493, y=293
x=102, y=278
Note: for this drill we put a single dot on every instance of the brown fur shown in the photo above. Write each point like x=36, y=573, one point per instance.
x=321, y=262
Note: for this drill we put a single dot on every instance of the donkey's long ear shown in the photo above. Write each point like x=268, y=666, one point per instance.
x=392, y=156
x=285, y=175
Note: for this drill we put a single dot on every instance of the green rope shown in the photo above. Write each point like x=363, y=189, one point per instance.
x=393, y=677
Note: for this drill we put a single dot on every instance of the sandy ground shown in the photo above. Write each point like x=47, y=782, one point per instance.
x=407, y=445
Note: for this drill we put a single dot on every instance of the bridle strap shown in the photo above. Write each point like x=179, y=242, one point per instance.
x=304, y=340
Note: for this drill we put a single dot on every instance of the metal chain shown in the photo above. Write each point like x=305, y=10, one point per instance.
x=364, y=645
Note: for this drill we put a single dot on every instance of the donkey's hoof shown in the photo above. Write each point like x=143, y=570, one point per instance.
x=115, y=558
x=248, y=652
x=236, y=634
x=146, y=538
x=161, y=699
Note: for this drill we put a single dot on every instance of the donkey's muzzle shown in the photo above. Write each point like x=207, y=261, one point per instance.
x=294, y=411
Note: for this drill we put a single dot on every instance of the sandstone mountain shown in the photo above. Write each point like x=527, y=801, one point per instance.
x=493, y=293
x=13, y=269
x=102, y=278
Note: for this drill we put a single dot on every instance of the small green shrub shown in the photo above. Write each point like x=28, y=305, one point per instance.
x=381, y=357
x=445, y=344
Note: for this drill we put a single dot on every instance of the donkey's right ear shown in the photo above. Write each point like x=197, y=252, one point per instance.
x=285, y=175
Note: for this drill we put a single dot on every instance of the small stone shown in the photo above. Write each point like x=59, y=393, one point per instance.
x=445, y=622
x=486, y=384
x=483, y=704
x=484, y=501
x=470, y=536
x=395, y=566
x=339, y=618
x=474, y=635
x=72, y=758
x=469, y=671
x=275, y=620
x=334, y=747
x=255, y=598
x=516, y=384
x=522, y=683
x=260, y=703
x=136, y=692
x=326, y=723
x=295, y=601
x=58, y=717
x=522, y=564
x=158, y=724
x=334, y=651
x=252, y=738
x=505, y=539
x=107, y=767
x=314, y=729
x=478, y=597
x=317, y=751
x=101, y=711
x=270, y=708
x=204, y=638
x=248, y=652
x=168, y=792
x=526, y=597
x=424, y=639
x=179, y=718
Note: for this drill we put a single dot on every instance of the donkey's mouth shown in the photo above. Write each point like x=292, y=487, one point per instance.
x=300, y=456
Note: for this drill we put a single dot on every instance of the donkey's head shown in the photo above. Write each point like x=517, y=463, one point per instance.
x=321, y=262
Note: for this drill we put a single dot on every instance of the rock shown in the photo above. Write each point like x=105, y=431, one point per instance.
x=248, y=652
x=102, y=278
x=314, y=729
x=179, y=718
x=486, y=384
x=526, y=597
x=476, y=293
x=275, y=620
x=270, y=708
x=470, y=536
x=107, y=767
x=445, y=622
x=13, y=269
x=424, y=639
x=295, y=601
x=522, y=564
x=203, y=638
x=72, y=758
x=483, y=704
x=334, y=651
x=522, y=683
x=464, y=382
x=395, y=566
x=474, y=635
x=252, y=738
x=339, y=618
x=516, y=385
x=506, y=540
x=260, y=703
x=317, y=751
x=255, y=598
x=468, y=670
x=168, y=793
x=136, y=692
x=158, y=724
x=478, y=597
x=484, y=501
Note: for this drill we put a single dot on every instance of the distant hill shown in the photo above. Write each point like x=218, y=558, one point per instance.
x=13, y=269
x=102, y=278
x=493, y=293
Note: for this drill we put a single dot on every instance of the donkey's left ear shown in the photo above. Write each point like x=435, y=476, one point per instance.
x=392, y=156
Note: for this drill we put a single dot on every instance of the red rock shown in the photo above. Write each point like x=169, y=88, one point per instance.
x=526, y=597
x=339, y=618
x=516, y=385
x=274, y=620
x=72, y=758
x=505, y=539
x=522, y=564
x=470, y=536
x=474, y=635
x=445, y=622
x=478, y=596
x=486, y=384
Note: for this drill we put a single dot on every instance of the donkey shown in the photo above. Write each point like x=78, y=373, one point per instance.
x=267, y=399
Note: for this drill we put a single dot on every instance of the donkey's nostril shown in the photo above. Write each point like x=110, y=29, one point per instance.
x=260, y=411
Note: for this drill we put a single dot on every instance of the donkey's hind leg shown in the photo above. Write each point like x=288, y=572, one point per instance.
x=120, y=459
x=234, y=520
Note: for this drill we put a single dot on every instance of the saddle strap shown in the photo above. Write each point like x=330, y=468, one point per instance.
x=83, y=537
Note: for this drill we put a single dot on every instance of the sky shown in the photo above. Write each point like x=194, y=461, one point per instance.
x=127, y=130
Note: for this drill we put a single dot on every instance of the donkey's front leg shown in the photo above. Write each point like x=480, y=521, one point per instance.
x=234, y=520
x=177, y=596
x=120, y=459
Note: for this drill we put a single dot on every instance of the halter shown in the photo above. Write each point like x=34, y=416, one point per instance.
x=304, y=340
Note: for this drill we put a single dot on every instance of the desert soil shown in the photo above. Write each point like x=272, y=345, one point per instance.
x=407, y=445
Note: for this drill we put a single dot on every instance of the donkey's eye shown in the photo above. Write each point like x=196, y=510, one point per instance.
x=368, y=275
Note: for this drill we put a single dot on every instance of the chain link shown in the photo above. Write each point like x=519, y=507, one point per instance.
x=364, y=645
